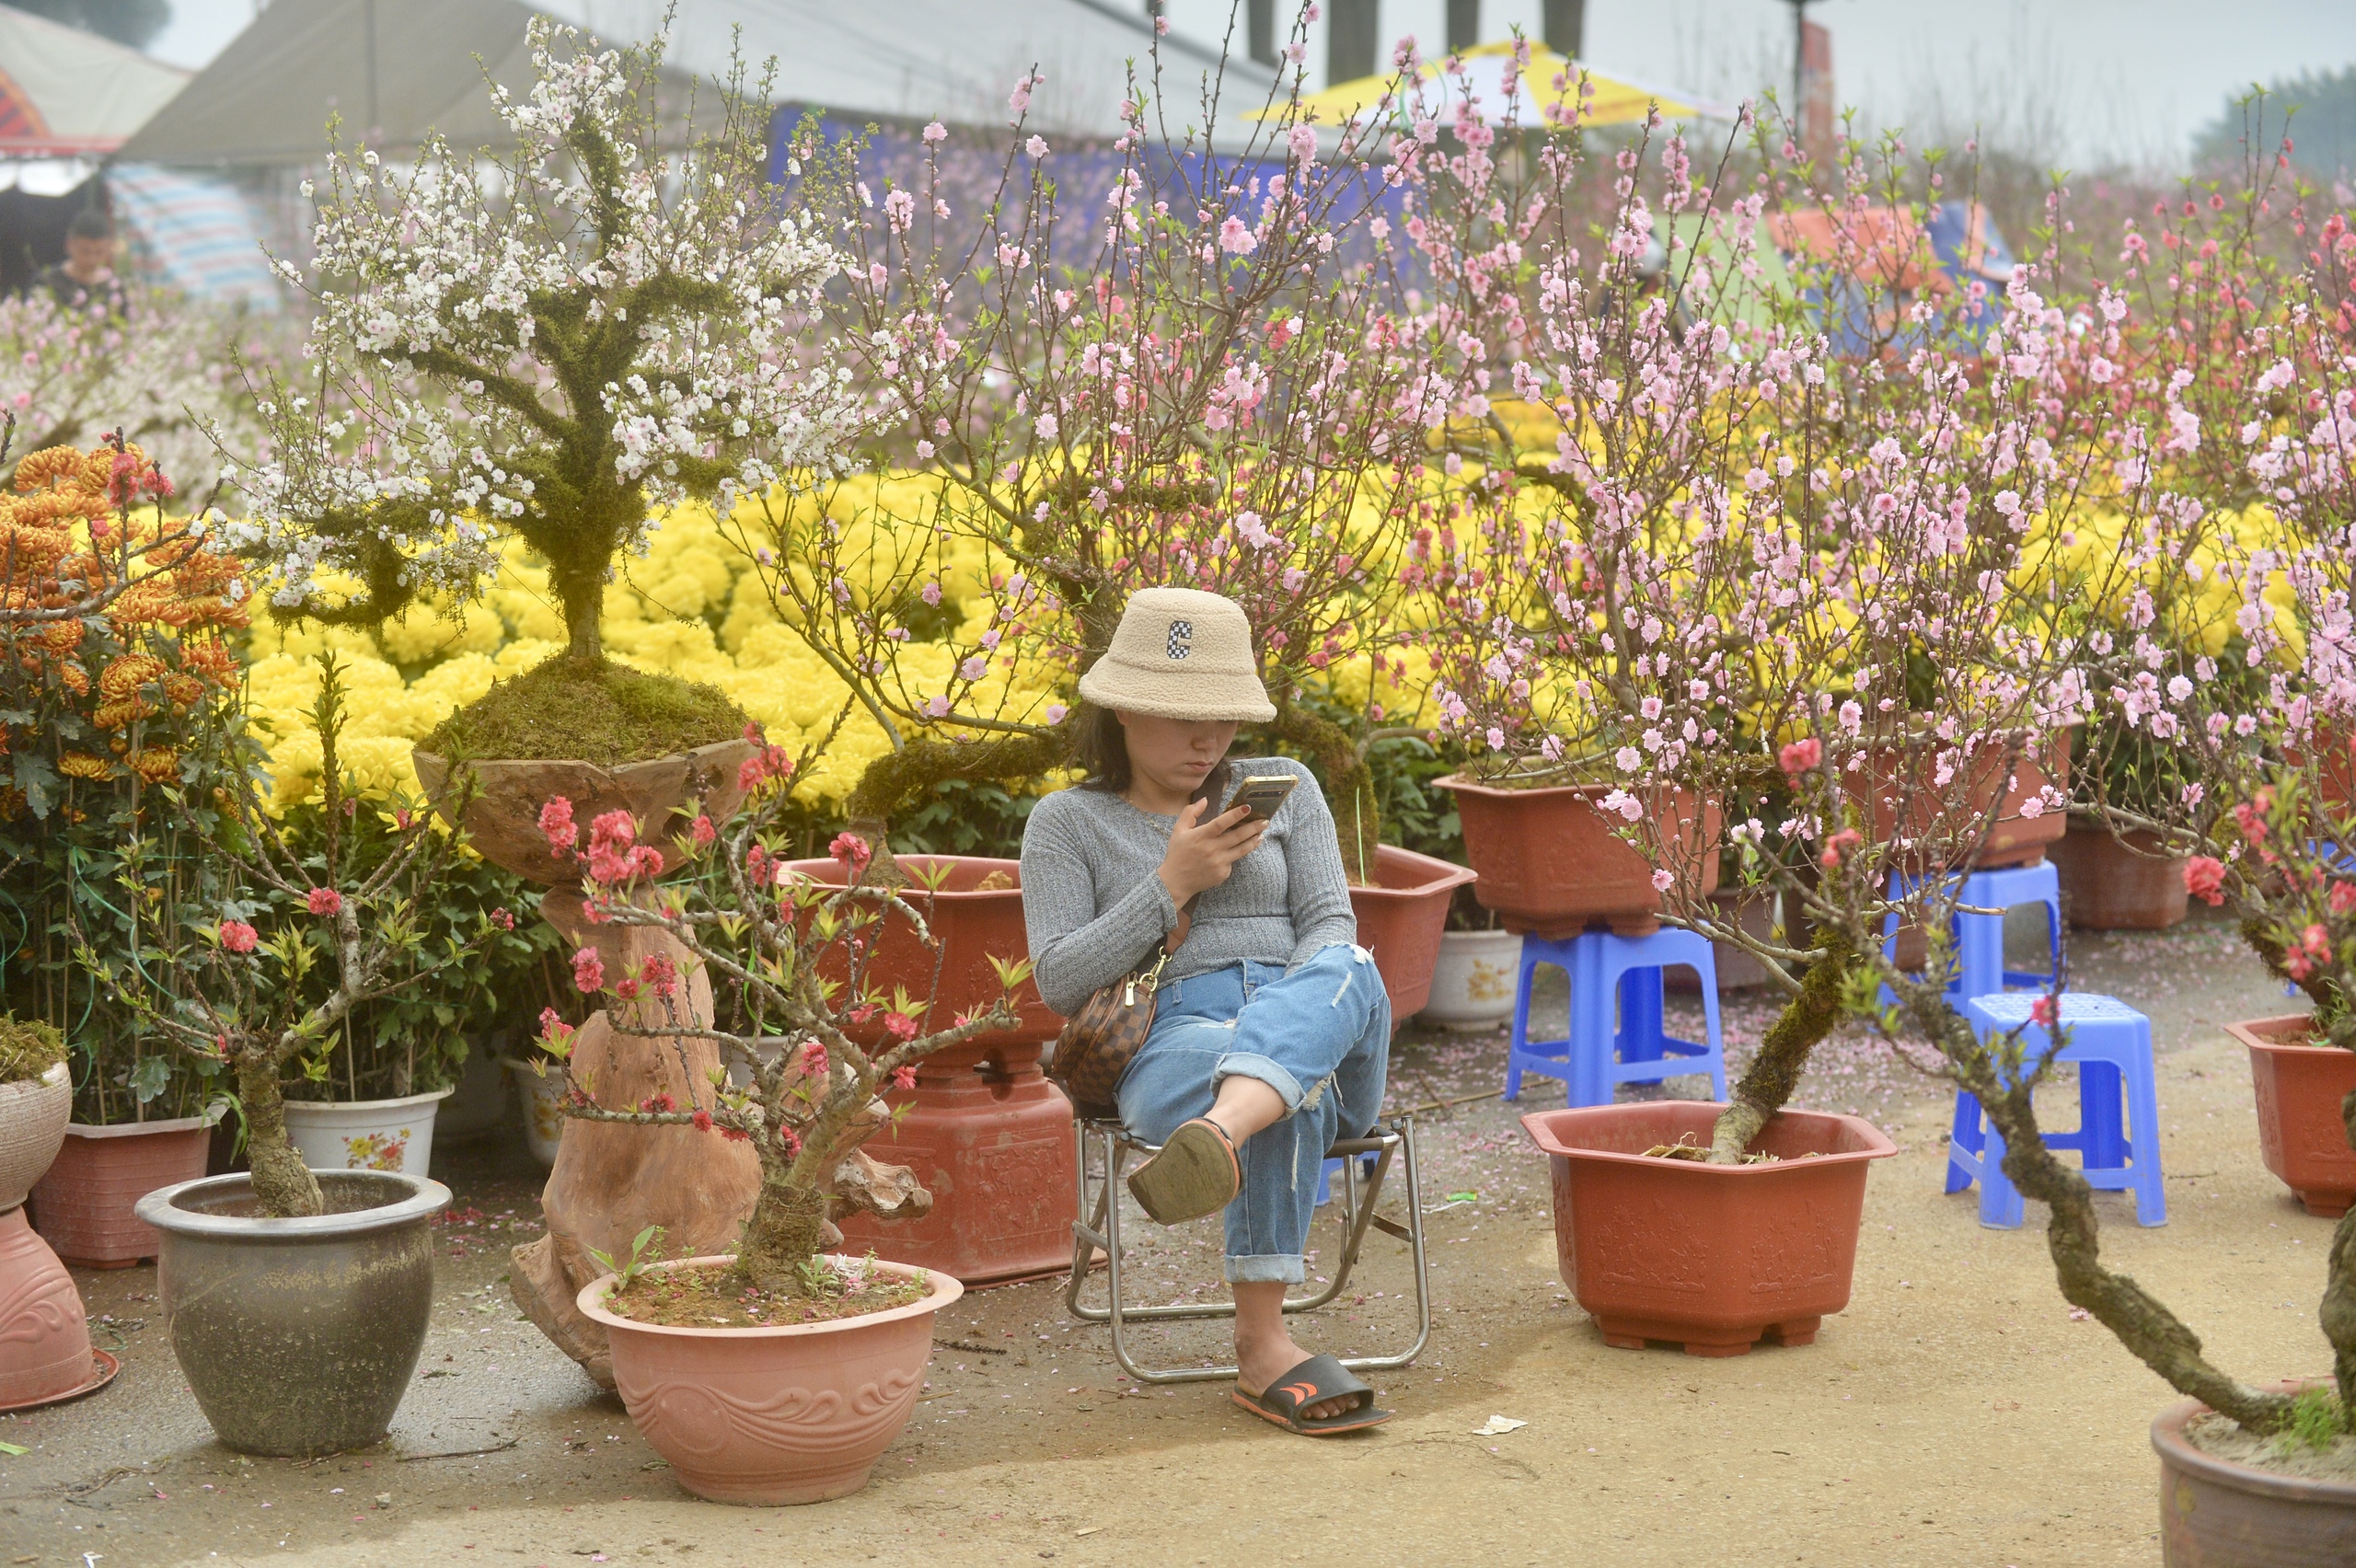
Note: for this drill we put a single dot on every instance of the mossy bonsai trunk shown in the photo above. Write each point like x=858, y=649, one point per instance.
x=2145, y=1326
x=1783, y=1056
x=584, y=608
x=284, y=1185
x=784, y=1232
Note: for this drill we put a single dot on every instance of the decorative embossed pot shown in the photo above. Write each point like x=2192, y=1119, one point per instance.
x=1711, y=1257
x=797, y=1413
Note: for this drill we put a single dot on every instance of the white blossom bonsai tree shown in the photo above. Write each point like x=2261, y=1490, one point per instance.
x=543, y=342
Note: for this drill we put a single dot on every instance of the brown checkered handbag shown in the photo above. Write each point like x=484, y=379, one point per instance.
x=1100, y=1041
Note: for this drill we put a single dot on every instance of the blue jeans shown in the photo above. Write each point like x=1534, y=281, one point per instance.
x=1319, y=1036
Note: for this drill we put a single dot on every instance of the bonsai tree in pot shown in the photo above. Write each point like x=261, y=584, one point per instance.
x=299, y=946
x=249, y=1001
x=814, y=1042
x=544, y=340
x=1771, y=563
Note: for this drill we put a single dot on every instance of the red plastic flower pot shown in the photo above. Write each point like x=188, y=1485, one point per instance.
x=1551, y=866
x=972, y=923
x=1711, y=1257
x=1400, y=921
x=2298, y=1086
x=2108, y=886
x=984, y=1132
x=85, y=1205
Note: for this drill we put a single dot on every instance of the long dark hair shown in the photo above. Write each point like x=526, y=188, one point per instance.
x=1103, y=751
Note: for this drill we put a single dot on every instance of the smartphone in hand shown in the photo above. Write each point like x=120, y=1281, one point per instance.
x=1262, y=794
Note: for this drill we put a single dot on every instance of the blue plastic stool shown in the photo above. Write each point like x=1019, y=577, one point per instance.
x=1333, y=1168
x=1603, y=1051
x=1978, y=940
x=2111, y=1044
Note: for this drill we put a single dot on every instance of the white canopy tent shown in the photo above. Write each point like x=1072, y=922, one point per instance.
x=394, y=69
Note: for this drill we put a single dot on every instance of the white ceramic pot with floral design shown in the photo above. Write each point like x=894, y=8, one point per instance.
x=365, y=1135
x=541, y=1094
x=1473, y=979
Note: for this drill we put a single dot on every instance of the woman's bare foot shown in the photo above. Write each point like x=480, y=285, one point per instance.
x=1264, y=1352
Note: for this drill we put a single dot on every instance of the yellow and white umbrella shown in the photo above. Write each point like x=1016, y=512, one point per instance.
x=1548, y=93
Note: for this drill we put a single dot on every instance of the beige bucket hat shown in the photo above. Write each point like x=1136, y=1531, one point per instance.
x=1181, y=653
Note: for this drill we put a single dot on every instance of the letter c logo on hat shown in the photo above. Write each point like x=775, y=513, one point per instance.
x=1182, y=636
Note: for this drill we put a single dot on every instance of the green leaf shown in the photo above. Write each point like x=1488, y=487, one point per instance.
x=13, y=1449
x=149, y=1076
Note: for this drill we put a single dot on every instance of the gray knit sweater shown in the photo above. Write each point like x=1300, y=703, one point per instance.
x=1094, y=905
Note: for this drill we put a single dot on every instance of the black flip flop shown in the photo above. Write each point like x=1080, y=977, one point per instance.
x=1195, y=1174
x=1315, y=1380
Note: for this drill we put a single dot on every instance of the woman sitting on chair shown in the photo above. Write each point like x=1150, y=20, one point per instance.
x=1271, y=1027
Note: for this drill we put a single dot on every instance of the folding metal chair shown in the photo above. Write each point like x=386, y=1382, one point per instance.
x=1355, y=1193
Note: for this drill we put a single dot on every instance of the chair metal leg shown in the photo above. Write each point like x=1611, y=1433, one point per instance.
x=1101, y=1229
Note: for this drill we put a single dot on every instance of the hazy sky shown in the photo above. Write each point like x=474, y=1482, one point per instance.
x=2094, y=80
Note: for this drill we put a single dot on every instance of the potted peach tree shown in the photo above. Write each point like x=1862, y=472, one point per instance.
x=777, y=1371
x=1200, y=393
x=545, y=341
x=1780, y=592
x=297, y=948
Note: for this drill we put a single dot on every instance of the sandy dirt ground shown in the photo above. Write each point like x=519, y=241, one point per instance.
x=1955, y=1415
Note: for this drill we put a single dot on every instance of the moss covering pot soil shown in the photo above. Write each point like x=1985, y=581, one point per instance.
x=2107, y=886
x=2220, y=1513
x=86, y=1205
x=2299, y=1087
x=796, y=1413
x=1712, y=1257
x=1401, y=919
x=1551, y=866
x=298, y=1336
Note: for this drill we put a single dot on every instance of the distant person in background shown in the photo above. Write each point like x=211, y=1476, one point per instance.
x=85, y=279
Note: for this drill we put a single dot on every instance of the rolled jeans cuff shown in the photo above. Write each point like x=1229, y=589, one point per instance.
x=1252, y=1065
x=1274, y=1268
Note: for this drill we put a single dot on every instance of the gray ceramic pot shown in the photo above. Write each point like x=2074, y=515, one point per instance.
x=298, y=1336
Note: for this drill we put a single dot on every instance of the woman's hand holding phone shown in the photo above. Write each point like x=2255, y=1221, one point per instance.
x=1202, y=854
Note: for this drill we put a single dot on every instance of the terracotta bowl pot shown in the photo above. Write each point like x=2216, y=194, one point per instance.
x=2299, y=1089
x=1713, y=1257
x=1400, y=921
x=1551, y=867
x=2217, y=1513
x=503, y=821
x=797, y=1413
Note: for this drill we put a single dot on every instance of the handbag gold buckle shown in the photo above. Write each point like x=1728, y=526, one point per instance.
x=1150, y=979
